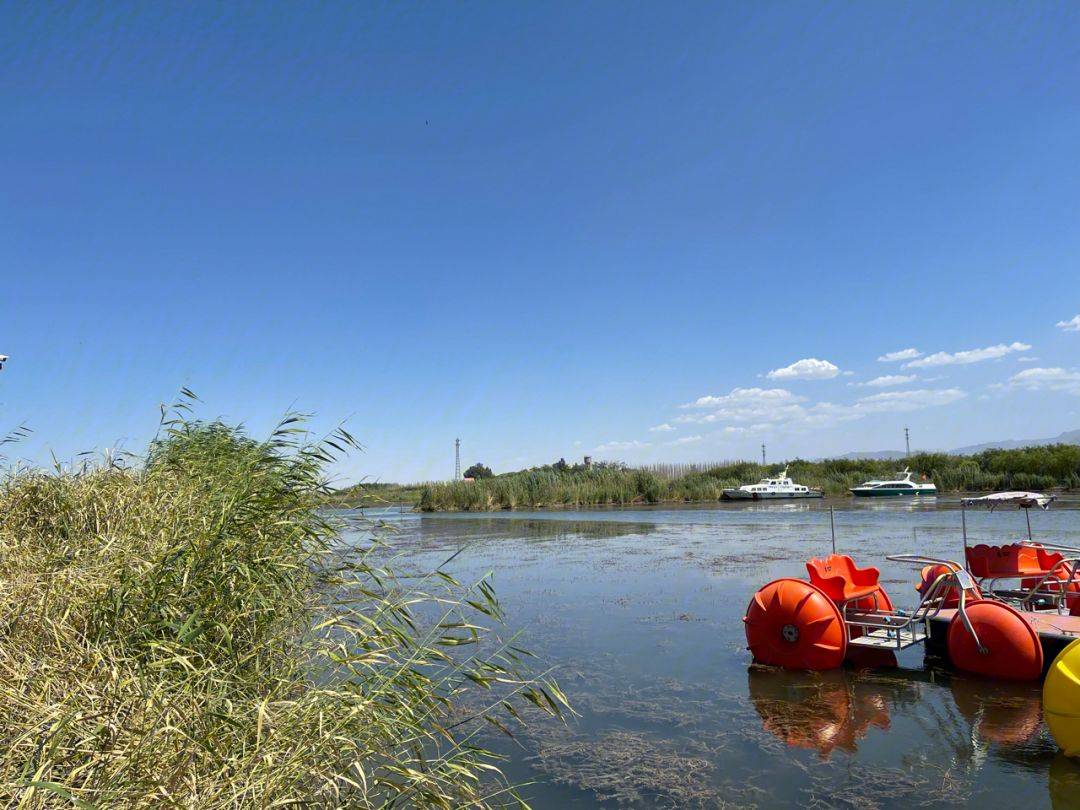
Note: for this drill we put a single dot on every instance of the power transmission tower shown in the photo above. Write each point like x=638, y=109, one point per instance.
x=457, y=459
x=763, y=454
x=907, y=441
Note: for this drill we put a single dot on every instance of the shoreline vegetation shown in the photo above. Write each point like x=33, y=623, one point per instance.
x=366, y=495
x=190, y=628
x=1041, y=468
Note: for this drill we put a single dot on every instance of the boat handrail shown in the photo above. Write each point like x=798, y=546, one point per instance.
x=1050, y=546
x=919, y=559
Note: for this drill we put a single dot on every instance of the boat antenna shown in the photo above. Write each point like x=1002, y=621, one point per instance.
x=963, y=527
x=832, y=528
x=1027, y=514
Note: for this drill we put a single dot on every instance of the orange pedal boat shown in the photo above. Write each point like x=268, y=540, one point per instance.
x=817, y=624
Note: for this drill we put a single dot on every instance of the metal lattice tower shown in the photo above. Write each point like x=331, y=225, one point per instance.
x=763, y=454
x=907, y=441
x=457, y=459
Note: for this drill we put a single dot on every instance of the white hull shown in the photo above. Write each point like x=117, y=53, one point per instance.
x=771, y=489
x=742, y=495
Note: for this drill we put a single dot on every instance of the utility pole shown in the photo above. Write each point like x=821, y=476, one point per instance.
x=457, y=459
x=763, y=454
x=907, y=441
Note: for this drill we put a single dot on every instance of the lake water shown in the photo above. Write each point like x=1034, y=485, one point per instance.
x=641, y=612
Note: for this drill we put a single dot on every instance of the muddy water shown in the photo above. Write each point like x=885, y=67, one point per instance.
x=640, y=610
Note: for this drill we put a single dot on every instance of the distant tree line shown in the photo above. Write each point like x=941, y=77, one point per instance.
x=562, y=484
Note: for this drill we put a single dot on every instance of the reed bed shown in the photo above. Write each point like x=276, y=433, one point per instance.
x=187, y=629
x=1031, y=468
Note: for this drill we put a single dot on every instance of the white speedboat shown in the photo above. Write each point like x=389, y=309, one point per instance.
x=768, y=488
x=1023, y=500
x=896, y=487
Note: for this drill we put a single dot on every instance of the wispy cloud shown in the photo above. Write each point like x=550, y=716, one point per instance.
x=608, y=447
x=968, y=356
x=744, y=405
x=886, y=381
x=809, y=368
x=743, y=396
x=1047, y=379
x=684, y=440
x=1071, y=325
x=913, y=400
x=777, y=407
x=662, y=428
x=903, y=354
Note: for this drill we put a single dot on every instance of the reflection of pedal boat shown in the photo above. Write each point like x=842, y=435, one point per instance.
x=1008, y=635
x=1064, y=783
x=1007, y=715
x=834, y=712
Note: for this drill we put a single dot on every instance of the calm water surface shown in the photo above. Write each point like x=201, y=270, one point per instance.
x=640, y=610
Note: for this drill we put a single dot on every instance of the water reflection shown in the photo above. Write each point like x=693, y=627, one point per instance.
x=1006, y=713
x=820, y=712
x=1064, y=783
x=825, y=711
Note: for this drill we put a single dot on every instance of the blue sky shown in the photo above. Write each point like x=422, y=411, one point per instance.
x=543, y=228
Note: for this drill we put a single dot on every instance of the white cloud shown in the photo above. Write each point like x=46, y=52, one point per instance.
x=684, y=440
x=745, y=396
x=664, y=428
x=746, y=411
x=608, y=447
x=903, y=354
x=1047, y=379
x=809, y=368
x=633, y=445
x=887, y=381
x=744, y=405
x=1027, y=359
x=968, y=356
x=913, y=400
x=1071, y=325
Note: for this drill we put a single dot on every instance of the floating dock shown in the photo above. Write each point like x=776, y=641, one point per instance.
x=1055, y=632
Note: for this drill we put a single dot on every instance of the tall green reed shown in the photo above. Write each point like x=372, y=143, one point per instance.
x=191, y=629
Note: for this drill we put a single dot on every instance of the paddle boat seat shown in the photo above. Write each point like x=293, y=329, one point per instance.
x=1009, y=562
x=840, y=579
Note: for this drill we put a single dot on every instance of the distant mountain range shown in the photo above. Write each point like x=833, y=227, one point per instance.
x=1068, y=437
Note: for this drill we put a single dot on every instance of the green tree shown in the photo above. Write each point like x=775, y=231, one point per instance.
x=479, y=471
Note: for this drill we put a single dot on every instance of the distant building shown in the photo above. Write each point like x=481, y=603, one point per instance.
x=468, y=479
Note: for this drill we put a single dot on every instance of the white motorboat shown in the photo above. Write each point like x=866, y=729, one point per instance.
x=1023, y=500
x=770, y=488
x=897, y=487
